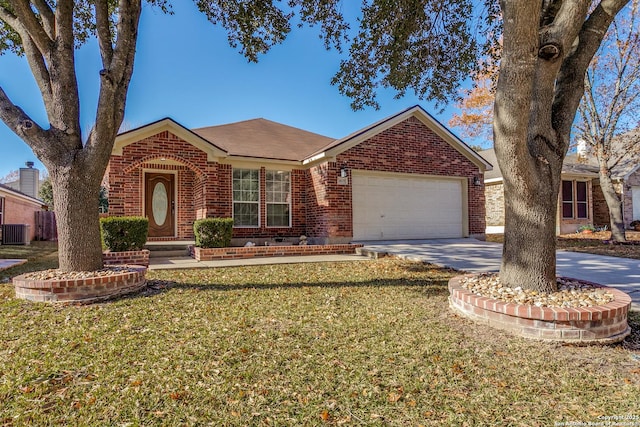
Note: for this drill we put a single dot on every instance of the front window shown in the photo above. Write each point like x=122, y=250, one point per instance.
x=278, y=186
x=575, y=199
x=246, y=197
x=1, y=210
x=581, y=199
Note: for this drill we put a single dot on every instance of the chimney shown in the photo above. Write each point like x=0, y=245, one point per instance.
x=30, y=180
x=581, y=148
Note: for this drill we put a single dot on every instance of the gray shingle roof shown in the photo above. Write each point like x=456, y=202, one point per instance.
x=572, y=165
x=265, y=139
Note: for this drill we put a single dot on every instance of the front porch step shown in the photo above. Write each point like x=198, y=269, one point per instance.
x=168, y=249
x=369, y=253
x=174, y=253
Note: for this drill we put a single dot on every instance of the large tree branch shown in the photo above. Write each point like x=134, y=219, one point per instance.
x=22, y=125
x=39, y=69
x=514, y=91
x=29, y=20
x=114, y=83
x=47, y=16
x=103, y=30
x=8, y=17
x=34, y=56
x=64, y=24
x=64, y=110
x=545, y=143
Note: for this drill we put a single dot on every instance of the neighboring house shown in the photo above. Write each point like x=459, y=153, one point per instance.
x=581, y=201
x=575, y=201
x=404, y=177
x=18, y=208
x=626, y=178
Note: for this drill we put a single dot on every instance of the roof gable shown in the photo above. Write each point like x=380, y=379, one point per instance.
x=122, y=140
x=341, y=145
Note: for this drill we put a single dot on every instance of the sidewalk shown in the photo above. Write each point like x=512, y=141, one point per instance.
x=8, y=263
x=188, y=262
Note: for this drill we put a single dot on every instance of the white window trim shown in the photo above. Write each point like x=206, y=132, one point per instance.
x=279, y=203
x=233, y=201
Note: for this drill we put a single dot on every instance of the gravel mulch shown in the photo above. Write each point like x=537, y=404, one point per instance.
x=56, y=274
x=571, y=293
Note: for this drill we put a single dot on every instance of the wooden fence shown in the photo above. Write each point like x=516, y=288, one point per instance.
x=46, y=226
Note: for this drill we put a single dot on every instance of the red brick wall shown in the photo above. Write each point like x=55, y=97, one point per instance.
x=408, y=147
x=204, y=189
x=196, y=184
x=298, y=209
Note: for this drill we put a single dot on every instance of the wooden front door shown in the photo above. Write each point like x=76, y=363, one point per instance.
x=160, y=204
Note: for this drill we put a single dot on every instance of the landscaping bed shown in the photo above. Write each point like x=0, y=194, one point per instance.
x=582, y=313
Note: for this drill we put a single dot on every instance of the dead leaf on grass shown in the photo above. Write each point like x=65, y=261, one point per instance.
x=177, y=395
x=26, y=389
x=457, y=368
x=394, y=397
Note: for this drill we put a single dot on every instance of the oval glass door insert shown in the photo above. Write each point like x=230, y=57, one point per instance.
x=160, y=204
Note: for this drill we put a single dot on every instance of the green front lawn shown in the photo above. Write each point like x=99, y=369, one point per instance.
x=358, y=343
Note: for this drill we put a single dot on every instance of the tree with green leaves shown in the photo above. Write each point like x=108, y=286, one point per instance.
x=46, y=193
x=605, y=115
x=48, y=33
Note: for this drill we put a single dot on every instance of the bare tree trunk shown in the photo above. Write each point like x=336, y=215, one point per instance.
x=76, y=200
x=529, y=251
x=547, y=49
x=614, y=202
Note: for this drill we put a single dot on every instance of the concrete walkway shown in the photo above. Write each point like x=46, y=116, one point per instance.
x=477, y=256
x=188, y=262
x=8, y=263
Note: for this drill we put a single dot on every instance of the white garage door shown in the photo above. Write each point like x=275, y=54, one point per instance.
x=405, y=207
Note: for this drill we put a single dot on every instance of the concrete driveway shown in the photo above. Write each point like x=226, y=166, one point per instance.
x=477, y=256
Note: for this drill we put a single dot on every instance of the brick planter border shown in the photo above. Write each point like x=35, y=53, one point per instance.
x=212, y=254
x=140, y=257
x=84, y=291
x=605, y=324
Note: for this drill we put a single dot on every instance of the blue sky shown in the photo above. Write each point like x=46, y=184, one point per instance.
x=186, y=70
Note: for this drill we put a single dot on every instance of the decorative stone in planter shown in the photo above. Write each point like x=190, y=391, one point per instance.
x=599, y=324
x=80, y=287
x=140, y=257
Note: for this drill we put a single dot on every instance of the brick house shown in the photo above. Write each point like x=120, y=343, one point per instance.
x=580, y=201
x=19, y=208
x=404, y=177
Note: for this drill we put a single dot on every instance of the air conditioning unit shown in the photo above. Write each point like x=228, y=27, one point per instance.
x=15, y=234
